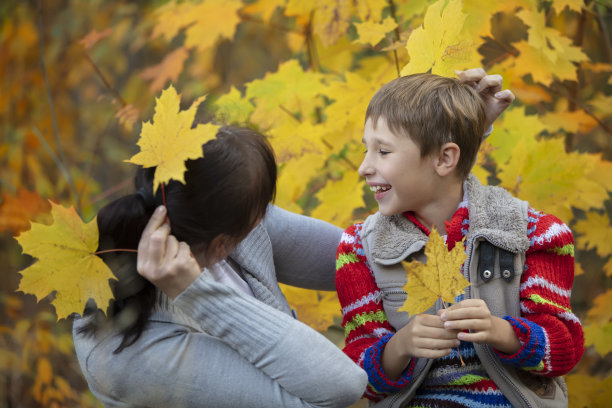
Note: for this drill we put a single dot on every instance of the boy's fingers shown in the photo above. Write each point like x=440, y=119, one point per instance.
x=431, y=320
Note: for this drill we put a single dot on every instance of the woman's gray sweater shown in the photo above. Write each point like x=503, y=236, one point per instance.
x=216, y=347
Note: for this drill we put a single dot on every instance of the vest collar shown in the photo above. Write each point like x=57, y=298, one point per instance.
x=494, y=216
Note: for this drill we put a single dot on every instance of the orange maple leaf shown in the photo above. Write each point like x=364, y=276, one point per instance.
x=167, y=70
x=16, y=211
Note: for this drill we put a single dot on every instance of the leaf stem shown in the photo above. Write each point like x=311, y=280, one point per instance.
x=458, y=352
x=115, y=250
x=311, y=46
x=163, y=187
x=397, y=36
x=107, y=84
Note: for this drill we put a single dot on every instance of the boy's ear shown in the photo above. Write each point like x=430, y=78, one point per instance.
x=447, y=160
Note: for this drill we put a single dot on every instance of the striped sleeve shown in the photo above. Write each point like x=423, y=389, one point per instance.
x=551, y=336
x=365, y=323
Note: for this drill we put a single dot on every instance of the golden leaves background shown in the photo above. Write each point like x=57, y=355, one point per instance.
x=302, y=72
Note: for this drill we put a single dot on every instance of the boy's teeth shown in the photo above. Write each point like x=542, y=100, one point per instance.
x=377, y=189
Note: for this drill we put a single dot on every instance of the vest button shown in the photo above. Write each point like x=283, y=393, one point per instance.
x=506, y=273
x=486, y=274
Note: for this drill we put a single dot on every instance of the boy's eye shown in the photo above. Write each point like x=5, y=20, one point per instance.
x=383, y=152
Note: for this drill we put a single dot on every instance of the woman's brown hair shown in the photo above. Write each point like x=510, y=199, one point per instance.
x=225, y=192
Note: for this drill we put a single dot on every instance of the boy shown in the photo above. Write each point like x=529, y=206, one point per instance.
x=514, y=327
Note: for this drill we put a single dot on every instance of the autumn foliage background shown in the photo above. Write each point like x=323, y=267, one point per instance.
x=78, y=78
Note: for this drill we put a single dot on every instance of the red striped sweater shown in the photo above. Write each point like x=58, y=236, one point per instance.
x=550, y=334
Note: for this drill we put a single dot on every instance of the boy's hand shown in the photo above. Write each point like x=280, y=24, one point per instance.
x=164, y=261
x=490, y=88
x=474, y=316
x=425, y=336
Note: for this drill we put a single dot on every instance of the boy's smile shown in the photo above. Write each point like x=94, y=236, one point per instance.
x=393, y=168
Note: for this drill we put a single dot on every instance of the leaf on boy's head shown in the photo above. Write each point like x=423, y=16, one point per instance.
x=168, y=141
x=66, y=264
x=440, y=277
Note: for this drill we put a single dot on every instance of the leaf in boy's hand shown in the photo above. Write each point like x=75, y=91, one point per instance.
x=66, y=264
x=169, y=141
x=440, y=277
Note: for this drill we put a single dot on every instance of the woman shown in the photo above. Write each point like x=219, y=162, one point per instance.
x=224, y=335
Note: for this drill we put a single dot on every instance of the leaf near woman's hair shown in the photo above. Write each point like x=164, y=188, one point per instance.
x=67, y=264
x=169, y=140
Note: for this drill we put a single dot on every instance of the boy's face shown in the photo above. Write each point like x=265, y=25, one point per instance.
x=393, y=168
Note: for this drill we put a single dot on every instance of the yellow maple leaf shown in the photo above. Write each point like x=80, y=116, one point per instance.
x=586, y=390
x=533, y=61
x=294, y=177
x=600, y=336
x=66, y=264
x=608, y=267
x=292, y=139
x=552, y=179
x=370, y=10
x=204, y=22
x=338, y=198
x=601, y=312
x=575, y=5
x=264, y=8
x=331, y=20
x=337, y=57
x=440, y=277
x=372, y=33
x=515, y=127
x=233, y=108
x=595, y=232
x=314, y=308
x=170, y=140
x=345, y=115
x=547, y=40
x=480, y=12
x=569, y=121
x=289, y=91
x=438, y=45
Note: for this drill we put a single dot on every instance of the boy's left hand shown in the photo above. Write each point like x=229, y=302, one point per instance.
x=490, y=88
x=474, y=316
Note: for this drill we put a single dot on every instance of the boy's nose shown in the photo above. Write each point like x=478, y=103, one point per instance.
x=365, y=169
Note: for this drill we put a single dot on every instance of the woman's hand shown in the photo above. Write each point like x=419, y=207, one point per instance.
x=490, y=88
x=164, y=261
x=474, y=316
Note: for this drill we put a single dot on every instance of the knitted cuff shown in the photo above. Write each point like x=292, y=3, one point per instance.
x=376, y=375
x=533, y=344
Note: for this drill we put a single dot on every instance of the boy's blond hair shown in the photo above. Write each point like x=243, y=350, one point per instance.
x=432, y=110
